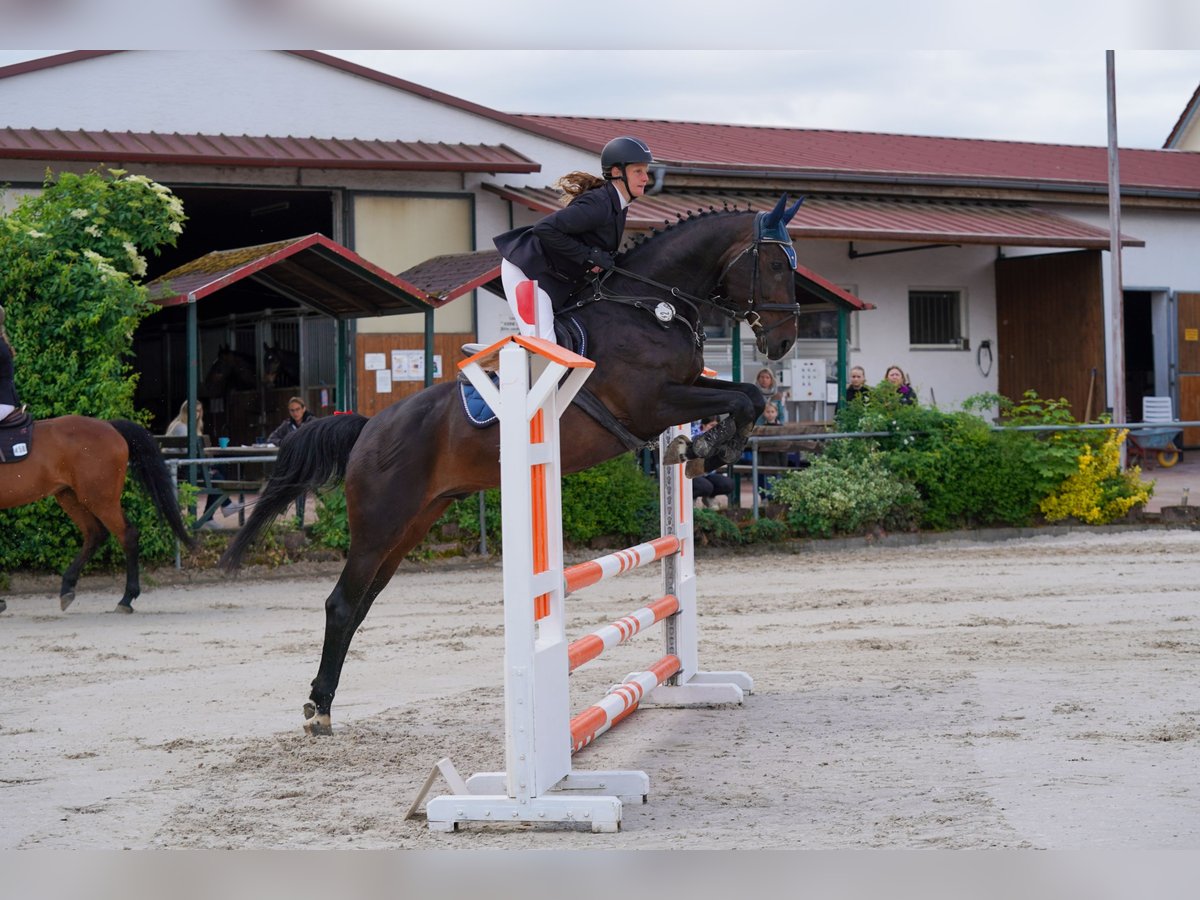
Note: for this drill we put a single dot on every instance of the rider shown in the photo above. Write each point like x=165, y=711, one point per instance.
x=9, y=400
x=562, y=250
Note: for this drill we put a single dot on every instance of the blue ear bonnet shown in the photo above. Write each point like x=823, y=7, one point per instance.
x=771, y=227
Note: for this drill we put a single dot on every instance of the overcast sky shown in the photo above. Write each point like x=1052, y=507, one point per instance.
x=1046, y=96
x=1028, y=95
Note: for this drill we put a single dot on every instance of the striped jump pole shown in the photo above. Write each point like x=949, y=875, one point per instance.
x=539, y=783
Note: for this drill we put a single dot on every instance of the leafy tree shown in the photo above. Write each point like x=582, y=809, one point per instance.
x=71, y=262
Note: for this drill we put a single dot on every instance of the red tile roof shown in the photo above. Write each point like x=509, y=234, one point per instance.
x=830, y=154
x=866, y=219
x=313, y=270
x=259, y=151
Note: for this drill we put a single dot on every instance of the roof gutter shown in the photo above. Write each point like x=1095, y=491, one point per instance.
x=925, y=181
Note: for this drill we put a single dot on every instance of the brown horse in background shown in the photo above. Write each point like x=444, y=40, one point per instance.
x=644, y=330
x=82, y=462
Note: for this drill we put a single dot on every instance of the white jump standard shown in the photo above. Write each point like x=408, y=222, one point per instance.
x=539, y=784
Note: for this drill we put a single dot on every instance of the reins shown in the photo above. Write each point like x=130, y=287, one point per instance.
x=666, y=314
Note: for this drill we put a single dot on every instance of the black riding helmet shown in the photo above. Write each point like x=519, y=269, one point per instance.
x=621, y=152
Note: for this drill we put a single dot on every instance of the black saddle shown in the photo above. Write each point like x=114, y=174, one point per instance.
x=16, y=436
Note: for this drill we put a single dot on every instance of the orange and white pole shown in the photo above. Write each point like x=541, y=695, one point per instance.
x=619, y=703
x=590, y=646
x=588, y=573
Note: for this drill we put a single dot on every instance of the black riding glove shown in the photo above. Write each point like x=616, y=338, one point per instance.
x=601, y=258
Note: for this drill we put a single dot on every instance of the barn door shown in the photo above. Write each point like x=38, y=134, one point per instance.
x=1050, y=328
x=1189, y=365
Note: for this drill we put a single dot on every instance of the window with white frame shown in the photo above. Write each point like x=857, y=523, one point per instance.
x=937, y=318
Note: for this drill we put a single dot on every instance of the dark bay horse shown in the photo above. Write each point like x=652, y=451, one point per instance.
x=281, y=368
x=82, y=463
x=404, y=466
x=230, y=371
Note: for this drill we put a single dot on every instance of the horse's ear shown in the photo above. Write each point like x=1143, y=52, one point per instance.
x=775, y=216
x=791, y=211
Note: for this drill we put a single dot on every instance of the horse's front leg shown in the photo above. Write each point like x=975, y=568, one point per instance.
x=741, y=404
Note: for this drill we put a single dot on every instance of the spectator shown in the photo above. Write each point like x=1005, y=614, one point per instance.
x=298, y=415
x=714, y=488
x=858, y=385
x=896, y=376
x=179, y=425
x=771, y=391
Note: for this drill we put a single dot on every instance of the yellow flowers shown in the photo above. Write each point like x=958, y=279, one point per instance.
x=1099, y=492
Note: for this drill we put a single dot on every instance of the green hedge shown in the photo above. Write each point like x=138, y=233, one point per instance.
x=71, y=263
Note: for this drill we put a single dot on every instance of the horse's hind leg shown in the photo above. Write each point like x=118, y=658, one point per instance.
x=94, y=534
x=366, y=574
x=109, y=511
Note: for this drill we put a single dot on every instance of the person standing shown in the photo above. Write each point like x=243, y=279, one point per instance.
x=772, y=393
x=9, y=401
x=298, y=415
x=904, y=389
x=580, y=240
x=858, y=385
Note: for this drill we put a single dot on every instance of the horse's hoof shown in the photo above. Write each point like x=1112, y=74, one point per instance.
x=694, y=468
x=316, y=725
x=3, y=606
x=66, y=600
x=676, y=451
x=123, y=608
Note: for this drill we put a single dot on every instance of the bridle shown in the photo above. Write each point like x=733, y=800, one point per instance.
x=666, y=314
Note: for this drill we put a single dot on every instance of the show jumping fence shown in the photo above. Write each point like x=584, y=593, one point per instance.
x=539, y=783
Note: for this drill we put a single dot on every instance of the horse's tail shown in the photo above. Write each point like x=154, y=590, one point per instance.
x=146, y=461
x=311, y=457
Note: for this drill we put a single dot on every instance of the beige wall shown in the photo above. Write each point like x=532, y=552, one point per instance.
x=396, y=233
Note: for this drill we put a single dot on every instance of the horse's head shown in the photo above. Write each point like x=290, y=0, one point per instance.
x=278, y=368
x=758, y=284
x=230, y=371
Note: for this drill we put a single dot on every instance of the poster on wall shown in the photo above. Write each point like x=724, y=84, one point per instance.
x=383, y=381
x=409, y=365
x=374, y=361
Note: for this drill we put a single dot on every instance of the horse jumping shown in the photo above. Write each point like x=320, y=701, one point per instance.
x=82, y=463
x=642, y=321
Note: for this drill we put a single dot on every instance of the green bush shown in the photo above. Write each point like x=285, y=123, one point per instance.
x=845, y=493
x=713, y=529
x=332, y=527
x=765, y=531
x=71, y=260
x=966, y=474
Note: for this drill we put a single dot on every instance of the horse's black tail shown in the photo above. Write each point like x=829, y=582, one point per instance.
x=146, y=461
x=313, y=456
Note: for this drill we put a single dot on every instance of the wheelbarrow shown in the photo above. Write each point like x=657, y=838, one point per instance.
x=1159, y=441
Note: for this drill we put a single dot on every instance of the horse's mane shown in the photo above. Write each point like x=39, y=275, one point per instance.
x=670, y=229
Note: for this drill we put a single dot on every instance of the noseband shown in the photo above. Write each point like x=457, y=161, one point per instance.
x=750, y=313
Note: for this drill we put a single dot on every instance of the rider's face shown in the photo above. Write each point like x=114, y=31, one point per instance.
x=638, y=176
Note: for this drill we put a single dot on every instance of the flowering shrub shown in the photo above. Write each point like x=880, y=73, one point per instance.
x=846, y=494
x=1098, y=492
x=71, y=260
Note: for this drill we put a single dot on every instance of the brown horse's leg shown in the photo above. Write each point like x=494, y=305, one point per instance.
x=108, y=510
x=366, y=574
x=94, y=534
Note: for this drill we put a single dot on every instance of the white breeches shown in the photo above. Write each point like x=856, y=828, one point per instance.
x=5, y=410
x=511, y=276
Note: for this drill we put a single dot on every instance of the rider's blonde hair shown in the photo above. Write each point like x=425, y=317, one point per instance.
x=575, y=183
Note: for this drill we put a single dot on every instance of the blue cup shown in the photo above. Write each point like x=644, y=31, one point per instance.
x=223, y=442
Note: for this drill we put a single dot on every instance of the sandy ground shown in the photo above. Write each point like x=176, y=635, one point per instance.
x=1038, y=692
